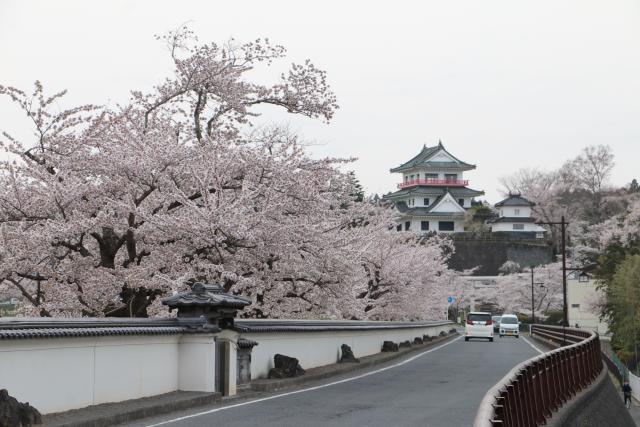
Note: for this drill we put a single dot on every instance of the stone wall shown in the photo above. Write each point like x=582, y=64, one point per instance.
x=490, y=255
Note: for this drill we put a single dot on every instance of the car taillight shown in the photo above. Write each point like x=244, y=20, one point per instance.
x=469, y=322
x=489, y=322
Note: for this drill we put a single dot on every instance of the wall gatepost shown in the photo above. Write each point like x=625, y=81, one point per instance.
x=244, y=362
x=216, y=357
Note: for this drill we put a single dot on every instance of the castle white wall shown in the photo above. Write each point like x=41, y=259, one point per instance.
x=313, y=349
x=416, y=225
x=421, y=173
x=418, y=201
x=59, y=374
x=508, y=226
x=517, y=211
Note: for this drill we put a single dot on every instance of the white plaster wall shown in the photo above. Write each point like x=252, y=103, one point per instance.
x=524, y=211
x=508, y=226
x=196, y=363
x=584, y=293
x=59, y=374
x=323, y=348
x=634, y=382
x=458, y=225
x=130, y=369
x=419, y=202
x=448, y=204
x=406, y=176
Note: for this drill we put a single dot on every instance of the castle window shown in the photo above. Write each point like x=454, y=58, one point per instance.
x=407, y=226
x=516, y=212
x=583, y=278
x=445, y=225
x=424, y=225
x=399, y=227
x=450, y=176
x=461, y=201
x=426, y=202
x=518, y=226
x=431, y=176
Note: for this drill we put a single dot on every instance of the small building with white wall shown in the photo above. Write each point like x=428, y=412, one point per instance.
x=582, y=297
x=515, y=218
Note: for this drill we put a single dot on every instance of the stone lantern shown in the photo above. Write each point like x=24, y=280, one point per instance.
x=208, y=301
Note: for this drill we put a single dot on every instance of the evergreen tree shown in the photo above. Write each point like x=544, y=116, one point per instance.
x=623, y=309
x=357, y=192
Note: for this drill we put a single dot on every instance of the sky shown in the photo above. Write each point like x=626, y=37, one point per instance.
x=504, y=84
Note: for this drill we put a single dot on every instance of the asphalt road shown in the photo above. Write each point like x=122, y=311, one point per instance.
x=440, y=388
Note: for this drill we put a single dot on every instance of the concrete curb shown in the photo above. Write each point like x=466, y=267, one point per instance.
x=328, y=371
x=109, y=414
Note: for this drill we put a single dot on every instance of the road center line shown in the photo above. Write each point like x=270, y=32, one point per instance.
x=531, y=344
x=366, y=374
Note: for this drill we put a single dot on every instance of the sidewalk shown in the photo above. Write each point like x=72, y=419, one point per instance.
x=635, y=405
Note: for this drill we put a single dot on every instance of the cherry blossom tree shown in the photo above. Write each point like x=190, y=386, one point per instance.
x=511, y=291
x=590, y=172
x=407, y=277
x=514, y=290
x=107, y=209
x=578, y=190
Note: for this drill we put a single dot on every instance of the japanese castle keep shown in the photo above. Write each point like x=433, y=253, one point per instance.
x=433, y=194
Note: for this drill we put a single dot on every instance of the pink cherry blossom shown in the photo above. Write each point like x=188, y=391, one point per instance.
x=178, y=186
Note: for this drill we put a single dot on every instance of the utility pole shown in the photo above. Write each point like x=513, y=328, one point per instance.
x=533, y=307
x=563, y=228
x=565, y=314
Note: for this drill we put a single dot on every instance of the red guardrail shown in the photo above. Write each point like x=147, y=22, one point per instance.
x=433, y=181
x=529, y=394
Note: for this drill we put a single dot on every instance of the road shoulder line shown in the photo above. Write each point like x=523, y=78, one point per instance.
x=533, y=346
x=318, y=387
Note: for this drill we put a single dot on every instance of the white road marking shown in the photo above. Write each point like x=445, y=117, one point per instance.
x=366, y=374
x=531, y=344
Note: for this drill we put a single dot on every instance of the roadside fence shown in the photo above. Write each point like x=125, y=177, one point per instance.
x=529, y=394
x=620, y=371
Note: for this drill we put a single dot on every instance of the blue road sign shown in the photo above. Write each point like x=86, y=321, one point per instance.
x=449, y=300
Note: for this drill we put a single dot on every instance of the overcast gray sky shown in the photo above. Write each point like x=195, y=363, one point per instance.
x=504, y=84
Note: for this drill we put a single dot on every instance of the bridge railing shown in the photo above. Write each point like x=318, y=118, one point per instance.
x=530, y=393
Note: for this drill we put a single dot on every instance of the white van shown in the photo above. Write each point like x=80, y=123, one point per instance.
x=478, y=325
x=509, y=325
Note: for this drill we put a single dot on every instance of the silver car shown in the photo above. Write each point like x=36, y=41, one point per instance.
x=496, y=323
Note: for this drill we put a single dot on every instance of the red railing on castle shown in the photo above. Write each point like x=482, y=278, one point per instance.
x=436, y=182
x=529, y=394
